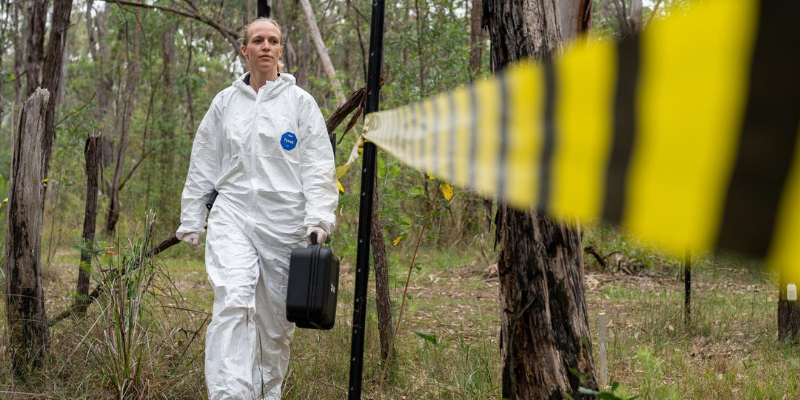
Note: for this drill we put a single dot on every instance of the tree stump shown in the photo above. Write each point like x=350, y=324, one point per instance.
x=788, y=311
x=29, y=335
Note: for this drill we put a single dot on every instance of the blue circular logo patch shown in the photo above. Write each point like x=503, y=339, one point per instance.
x=288, y=141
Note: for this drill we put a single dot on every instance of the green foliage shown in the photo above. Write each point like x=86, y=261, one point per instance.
x=610, y=395
x=127, y=274
x=140, y=303
x=606, y=22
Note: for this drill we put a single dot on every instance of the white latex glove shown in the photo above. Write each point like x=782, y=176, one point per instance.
x=193, y=240
x=321, y=234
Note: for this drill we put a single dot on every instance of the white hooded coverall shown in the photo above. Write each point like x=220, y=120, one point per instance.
x=269, y=157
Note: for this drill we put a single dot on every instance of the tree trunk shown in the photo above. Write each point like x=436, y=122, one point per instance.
x=167, y=128
x=636, y=15
x=383, y=298
x=575, y=18
x=421, y=58
x=545, y=327
x=476, y=39
x=51, y=79
x=189, y=98
x=323, y=52
x=100, y=53
x=788, y=311
x=29, y=335
x=19, y=65
x=92, y=155
x=112, y=217
x=35, y=16
x=4, y=37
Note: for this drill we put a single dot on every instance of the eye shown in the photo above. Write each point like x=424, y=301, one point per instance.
x=257, y=41
x=274, y=41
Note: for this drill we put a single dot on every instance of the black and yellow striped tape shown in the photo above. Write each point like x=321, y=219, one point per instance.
x=685, y=134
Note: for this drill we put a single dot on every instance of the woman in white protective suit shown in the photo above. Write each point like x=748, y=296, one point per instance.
x=264, y=147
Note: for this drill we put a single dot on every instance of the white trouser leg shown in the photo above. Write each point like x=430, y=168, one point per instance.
x=232, y=264
x=273, y=330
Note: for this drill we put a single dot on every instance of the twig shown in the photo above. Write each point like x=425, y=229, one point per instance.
x=9, y=81
x=135, y=166
x=76, y=111
x=352, y=123
x=230, y=34
x=192, y=339
x=358, y=11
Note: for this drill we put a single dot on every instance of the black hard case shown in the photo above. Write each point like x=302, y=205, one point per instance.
x=313, y=287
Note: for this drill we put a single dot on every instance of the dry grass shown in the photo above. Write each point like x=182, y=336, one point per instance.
x=729, y=350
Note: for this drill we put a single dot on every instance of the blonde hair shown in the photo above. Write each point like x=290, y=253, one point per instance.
x=244, y=39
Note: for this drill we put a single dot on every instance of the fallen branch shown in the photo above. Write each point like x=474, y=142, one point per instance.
x=597, y=256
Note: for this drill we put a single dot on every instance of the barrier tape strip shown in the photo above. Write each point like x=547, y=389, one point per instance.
x=685, y=135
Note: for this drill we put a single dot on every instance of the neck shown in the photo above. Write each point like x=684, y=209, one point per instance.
x=260, y=78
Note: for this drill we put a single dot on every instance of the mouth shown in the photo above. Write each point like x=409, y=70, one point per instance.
x=265, y=56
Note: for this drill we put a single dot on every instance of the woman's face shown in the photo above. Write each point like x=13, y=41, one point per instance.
x=263, y=49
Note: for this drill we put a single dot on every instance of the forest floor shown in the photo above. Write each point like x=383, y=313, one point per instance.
x=447, y=346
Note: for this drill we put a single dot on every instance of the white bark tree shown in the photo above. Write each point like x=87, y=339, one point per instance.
x=324, y=58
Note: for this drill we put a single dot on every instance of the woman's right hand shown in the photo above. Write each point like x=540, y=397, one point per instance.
x=193, y=240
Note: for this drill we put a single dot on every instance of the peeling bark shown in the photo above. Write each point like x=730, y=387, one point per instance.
x=28, y=332
x=383, y=298
x=575, y=18
x=545, y=327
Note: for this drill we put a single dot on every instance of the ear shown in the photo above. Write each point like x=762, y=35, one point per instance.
x=244, y=51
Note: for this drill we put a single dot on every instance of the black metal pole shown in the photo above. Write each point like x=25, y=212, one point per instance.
x=365, y=207
x=687, y=286
x=263, y=9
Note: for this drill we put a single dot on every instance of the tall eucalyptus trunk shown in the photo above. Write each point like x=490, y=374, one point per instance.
x=35, y=17
x=545, y=327
x=128, y=101
x=53, y=74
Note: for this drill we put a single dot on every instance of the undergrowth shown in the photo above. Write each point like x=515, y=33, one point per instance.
x=145, y=336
